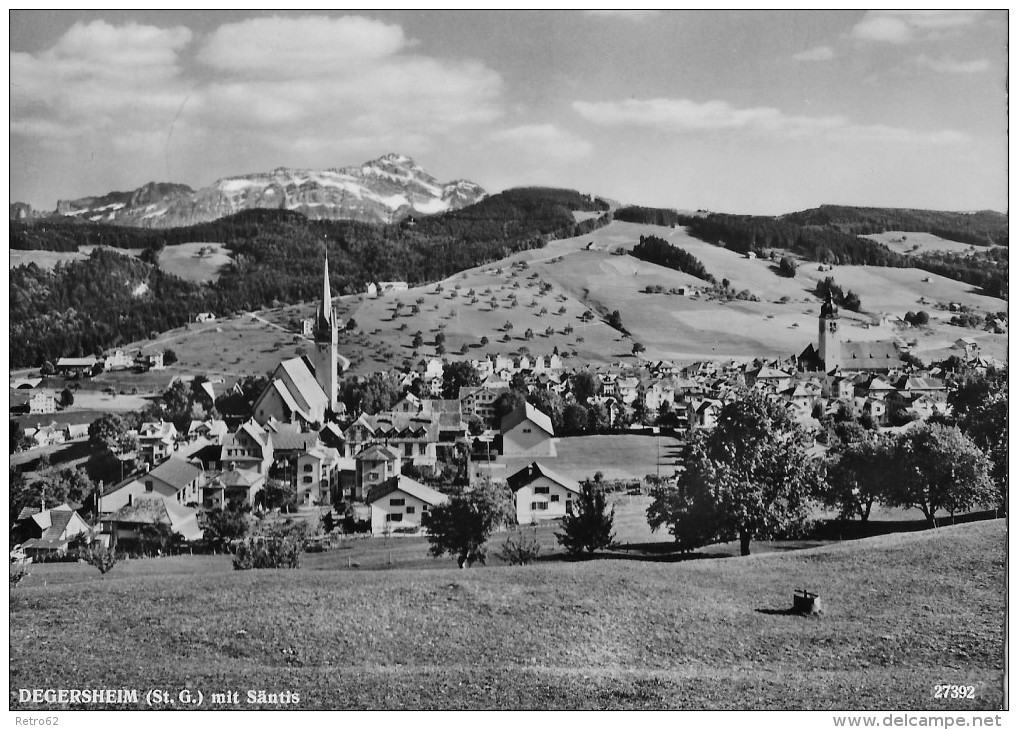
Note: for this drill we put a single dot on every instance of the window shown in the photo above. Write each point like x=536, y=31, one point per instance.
x=149, y=486
x=526, y=430
x=538, y=506
x=411, y=510
x=397, y=502
x=308, y=480
x=395, y=517
x=554, y=498
x=308, y=467
x=421, y=449
x=408, y=449
x=542, y=490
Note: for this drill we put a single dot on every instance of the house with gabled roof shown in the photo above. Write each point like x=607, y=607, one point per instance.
x=527, y=431
x=249, y=447
x=401, y=502
x=157, y=440
x=42, y=402
x=375, y=464
x=293, y=395
x=41, y=531
x=232, y=488
x=125, y=525
x=541, y=494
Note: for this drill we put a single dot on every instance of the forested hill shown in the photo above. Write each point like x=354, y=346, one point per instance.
x=83, y=307
x=982, y=228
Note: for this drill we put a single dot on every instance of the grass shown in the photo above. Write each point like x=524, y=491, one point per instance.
x=700, y=634
x=908, y=241
x=183, y=261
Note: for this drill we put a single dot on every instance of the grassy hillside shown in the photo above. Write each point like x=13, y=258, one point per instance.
x=703, y=634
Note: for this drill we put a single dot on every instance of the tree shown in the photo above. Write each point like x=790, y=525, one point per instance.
x=787, y=266
x=278, y=494
x=590, y=525
x=861, y=473
x=638, y=348
x=222, y=526
x=418, y=342
x=748, y=478
x=47, y=368
x=101, y=557
x=177, y=403
x=615, y=321
x=19, y=441
x=506, y=403
x=980, y=406
x=941, y=469
x=169, y=357
x=456, y=375
x=66, y=398
x=462, y=526
x=585, y=385
x=520, y=548
x=575, y=419
x=484, y=341
x=105, y=432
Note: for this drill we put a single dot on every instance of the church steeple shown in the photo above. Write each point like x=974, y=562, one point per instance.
x=324, y=318
x=326, y=337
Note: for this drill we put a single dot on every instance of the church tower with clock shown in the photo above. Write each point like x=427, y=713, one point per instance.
x=829, y=347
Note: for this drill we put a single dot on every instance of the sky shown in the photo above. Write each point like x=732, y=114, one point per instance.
x=736, y=111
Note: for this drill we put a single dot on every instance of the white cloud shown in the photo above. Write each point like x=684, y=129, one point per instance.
x=300, y=47
x=952, y=66
x=904, y=26
x=634, y=16
x=347, y=85
x=820, y=53
x=685, y=116
x=544, y=140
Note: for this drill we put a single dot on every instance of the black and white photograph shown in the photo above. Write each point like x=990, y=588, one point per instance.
x=509, y=360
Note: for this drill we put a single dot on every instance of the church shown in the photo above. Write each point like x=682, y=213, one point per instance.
x=305, y=390
x=830, y=353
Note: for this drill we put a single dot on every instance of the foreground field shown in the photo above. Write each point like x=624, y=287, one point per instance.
x=702, y=634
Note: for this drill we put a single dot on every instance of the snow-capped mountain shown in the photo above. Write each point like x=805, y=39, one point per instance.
x=384, y=190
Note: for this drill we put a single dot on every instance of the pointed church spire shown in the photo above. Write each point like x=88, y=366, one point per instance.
x=325, y=306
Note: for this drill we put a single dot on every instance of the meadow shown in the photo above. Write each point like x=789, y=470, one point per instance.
x=607, y=633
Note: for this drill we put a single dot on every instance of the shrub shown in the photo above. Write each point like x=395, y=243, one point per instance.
x=268, y=553
x=521, y=548
x=100, y=556
x=18, y=574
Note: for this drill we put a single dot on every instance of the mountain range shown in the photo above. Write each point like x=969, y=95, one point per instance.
x=384, y=190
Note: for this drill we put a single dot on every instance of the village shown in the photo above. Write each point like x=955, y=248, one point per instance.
x=454, y=424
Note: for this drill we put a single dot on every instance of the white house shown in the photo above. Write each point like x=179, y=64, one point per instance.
x=401, y=502
x=527, y=432
x=541, y=494
x=42, y=403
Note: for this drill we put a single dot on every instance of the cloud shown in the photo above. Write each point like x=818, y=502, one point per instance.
x=820, y=53
x=97, y=75
x=952, y=66
x=633, y=16
x=350, y=85
x=684, y=116
x=306, y=46
x=904, y=26
x=545, y=140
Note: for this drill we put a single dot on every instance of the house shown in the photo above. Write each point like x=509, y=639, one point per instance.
x=232, y=488
x=75, y=366
x=42, y=402
x=125, y=525
x=415, y=436
x=212, y=430
x=400, y=502
x=76, y=431
x=205, y=317
x=541, y=494
x=157, y=440
x=249, y=447
x=317, y=475
x=47, y=531
x=307, y=326
x=480, y=401
x=50, y=435
x=151, y=361
x=293, y=395
x=526, y=431
x=374, y=465
x=372, y=289
x=968, y=344
x=118, y=360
